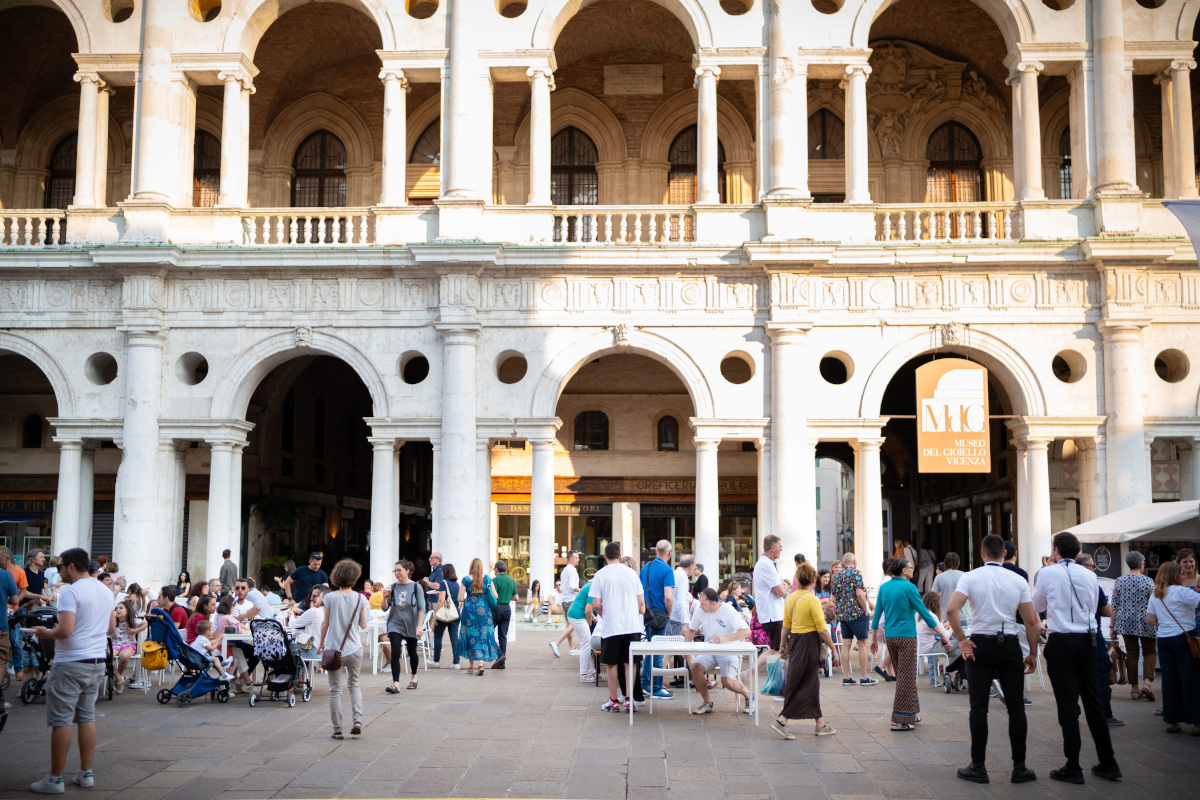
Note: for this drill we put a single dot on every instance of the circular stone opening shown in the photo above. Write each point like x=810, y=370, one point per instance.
x=1069, y=366
x=836, y=367
x=414, y=367
x=1172, y=365
x=511, y=9
x=735, y=8
x=205, y=10
x=118, y=10
x=1151, y=3
x=737, y=368
x=100, y=369
x=1058, y=5
x=511, y=367
x=191, y=368
x=421, y=9
x=828, y=6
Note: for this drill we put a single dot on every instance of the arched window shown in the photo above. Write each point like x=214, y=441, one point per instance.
x=955, y=174
x=206, y=170
x=60, y=178
x=573, y=180
x=826, y=136
x=320, y=172
x=684, y=156
x=425, y=165
x=31, y=431
x=591, y=431
x=668, y=434
x=1065, y=188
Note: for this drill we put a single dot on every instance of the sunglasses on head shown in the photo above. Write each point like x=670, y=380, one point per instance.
x=1185, y=553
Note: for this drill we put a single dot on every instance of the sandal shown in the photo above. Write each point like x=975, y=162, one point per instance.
x=412, y=684
x=393, y=690
x=1136, y=694
x=1148, y=693
x=1173, y=728
x=356, y=730
x=338, y=735
x=479, y=672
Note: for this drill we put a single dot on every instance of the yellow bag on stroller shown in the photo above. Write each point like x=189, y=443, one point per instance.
x=154, y=656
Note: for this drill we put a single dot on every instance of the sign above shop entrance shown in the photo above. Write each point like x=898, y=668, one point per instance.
x=560, y=509
x=953, y=433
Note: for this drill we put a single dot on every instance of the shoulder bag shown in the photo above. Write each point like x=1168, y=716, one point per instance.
x=331, y=660
x=1193, y=642
x=446, y=612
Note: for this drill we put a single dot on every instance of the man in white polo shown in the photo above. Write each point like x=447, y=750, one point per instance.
x=769, y=591
x=85, y=621
x=719, y=623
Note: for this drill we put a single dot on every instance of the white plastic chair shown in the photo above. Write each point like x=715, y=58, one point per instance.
x=425, y=639
x=665, y=671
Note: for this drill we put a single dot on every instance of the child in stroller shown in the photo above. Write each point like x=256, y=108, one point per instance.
x=195, y=680
x=285, y=669
x=205, y=646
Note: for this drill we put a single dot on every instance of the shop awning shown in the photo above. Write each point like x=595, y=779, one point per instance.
x=1188, y=212
x=1153, y=522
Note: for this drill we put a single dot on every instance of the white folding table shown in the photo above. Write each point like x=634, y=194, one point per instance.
x=740, y=650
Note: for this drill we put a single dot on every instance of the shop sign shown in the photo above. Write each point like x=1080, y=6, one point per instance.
x=560, y=509
x=953, y=433
x=29, y=508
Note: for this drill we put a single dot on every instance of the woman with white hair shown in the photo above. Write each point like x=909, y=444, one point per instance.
x=1130, y=596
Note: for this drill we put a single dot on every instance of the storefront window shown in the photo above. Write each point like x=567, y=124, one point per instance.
x=676, y=522
x=739, y=535
x=25, y=525
x=585, y=527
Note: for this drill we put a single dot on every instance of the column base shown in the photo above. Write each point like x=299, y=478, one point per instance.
x=785, y=217
x=1118, y=213
x=400, y=225
x=146, y=221
x=92, y=226
x=460, y=219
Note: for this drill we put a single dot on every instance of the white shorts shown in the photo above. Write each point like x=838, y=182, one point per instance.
x=727, y=665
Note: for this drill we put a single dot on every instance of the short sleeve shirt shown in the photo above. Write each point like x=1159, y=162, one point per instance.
x=1131, y=595
x=766, y=578
x=8, y=588
x=722, y=622
x=91, y=603
x=994, y=593
x=303, y=581
x=569, y=578
x=844, y=587
x=179, y=615
x=657, y=578
x=617, y=587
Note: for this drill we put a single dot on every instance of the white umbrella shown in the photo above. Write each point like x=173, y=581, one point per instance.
x=1177, y=521
x=1188, y=212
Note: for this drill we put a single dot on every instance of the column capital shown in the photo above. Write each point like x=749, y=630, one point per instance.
x=1122, y=329
x=143, y=335
x=867, y=443
x=83, y=77
x=388, y=74
x=1035, y=442
x=1182, y=65
x=706, y=70
x=857, y=69
x=384, y=442
x=536, y=73
x=541, y=441
x=706, y=443
x=458, y=332
x=68, y=443
x=237, y=76
x=788, y=332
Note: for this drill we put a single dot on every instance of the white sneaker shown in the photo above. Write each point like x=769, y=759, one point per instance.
x=456, y=666
x=703, y=708
x=749, y=709
x=555, y=650
x=84, y=779
x=225, y=676
x=574, y=652
x=435, y=665
x=227, y=662
x=49, y=785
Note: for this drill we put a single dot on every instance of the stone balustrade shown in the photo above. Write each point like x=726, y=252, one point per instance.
x=948, y=222
x=33, y=228
x=619, y=225
x=308, y=227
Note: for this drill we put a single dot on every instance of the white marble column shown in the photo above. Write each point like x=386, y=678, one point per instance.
x=220, y=493
x=87, y=488
x=170, y=499
x=707, y=191
x=1116, y=164
x=765, y=527
x=1125, y=425
x=855, y=83
x=1180, y=130
x=483, y=500
x=156, y=140
x=793, y=492
x=1189, y=469
x=541, y=83
x=1034, y=541
x=395, y=141
x=708, y=514
x=1090, y=458
x=456, y=523
x=1022, y=504
x=1083, y=130
x=541, y=514
x=762, y=135
x=137, y=539
x=1027, y=130
x=85, y=140
x=385, y=539
x=789, y=107
x=868, y=511
x=1167, y=103
x=460, y=129
x=66, y=504
x=100, y=195
x=235, y=139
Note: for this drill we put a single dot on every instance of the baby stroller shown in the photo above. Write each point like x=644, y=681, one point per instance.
x=280, y=657
x=195, y=680
x=41, y=651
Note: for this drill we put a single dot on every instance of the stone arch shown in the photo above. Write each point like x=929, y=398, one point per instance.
x=1056, y=118
x=1012, y=17
x=309, y=114
x=1187, y=20
x=42, y=133
x=993, y=134
x=22, y=345
x=564, y=366
x=252, y=19
x=679, y=112
x=1002, y=360
x=577, y=108
x=418, y=120
x=70, y=9
x=232, y=395
x=557, y=13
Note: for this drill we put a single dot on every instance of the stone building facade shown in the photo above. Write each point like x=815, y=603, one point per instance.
x=497, y=277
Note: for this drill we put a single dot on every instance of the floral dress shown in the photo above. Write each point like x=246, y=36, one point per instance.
x=476, y=635
x=1130, y=596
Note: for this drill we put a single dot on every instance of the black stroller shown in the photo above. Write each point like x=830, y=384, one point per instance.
x=285, y=672
x=41, y=651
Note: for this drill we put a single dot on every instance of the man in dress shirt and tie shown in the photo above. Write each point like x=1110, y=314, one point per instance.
x=1068, y=594
x=994, y=652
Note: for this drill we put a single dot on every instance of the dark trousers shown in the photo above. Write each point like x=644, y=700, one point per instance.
x=502, y=616
x=1071, y=665
x=397, y=641
x=247, y=649
x=1103, y=676
x=1001, y=662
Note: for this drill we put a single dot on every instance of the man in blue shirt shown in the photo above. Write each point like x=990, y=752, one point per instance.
x=10, y=595
x=433, y=584
x=657, y=578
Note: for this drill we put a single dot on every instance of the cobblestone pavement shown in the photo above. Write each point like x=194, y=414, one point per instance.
x=534, y=731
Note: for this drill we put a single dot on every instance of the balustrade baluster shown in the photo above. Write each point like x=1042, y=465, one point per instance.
x=637, y=228
x=902, y=226
x=608, y=228
x=362, y=229
x=991, y=221
x=961, y=216
x=624, y=235
x=37, y=232
x=652, y=229
x=887, y=226
x=1008, y=225
x=976, y=224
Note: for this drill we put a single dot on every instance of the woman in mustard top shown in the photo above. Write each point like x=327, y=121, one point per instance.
x=803, y=630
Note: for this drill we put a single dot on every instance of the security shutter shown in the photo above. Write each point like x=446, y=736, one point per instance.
x=102, y=528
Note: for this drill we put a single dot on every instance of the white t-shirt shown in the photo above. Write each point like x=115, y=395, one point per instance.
x=618, y=588
x=92, y=604
x=569, y=581
x=766, y=578
x=1182, y=602
x=242, y=608
x=679, y=602
x=722, y=622
x=200, y=644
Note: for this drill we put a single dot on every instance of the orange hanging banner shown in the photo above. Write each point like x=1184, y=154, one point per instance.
x=953, y=433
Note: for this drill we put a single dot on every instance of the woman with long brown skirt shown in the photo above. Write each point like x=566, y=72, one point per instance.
x=804, y=630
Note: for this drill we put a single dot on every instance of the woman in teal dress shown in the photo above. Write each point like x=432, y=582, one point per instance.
x=477, y=637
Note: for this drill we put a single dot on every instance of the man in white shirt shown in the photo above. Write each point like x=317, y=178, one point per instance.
x=568, y=581
x=244, y=610
x=1069, y=595
x=769, y=591
x=617, y=595
x=994, y=653
x=719, y=623
x=85, y=621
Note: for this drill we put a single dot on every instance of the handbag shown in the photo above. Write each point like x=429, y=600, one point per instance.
x=154, y=656
x=331, y=660
x=656, y=619
x=446, y=612
x=1193, y=642
x=487, y=592
x=776, y=676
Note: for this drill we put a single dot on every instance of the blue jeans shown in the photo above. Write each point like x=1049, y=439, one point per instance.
x=438, y=627
x=17, y=658
x=656, y=661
